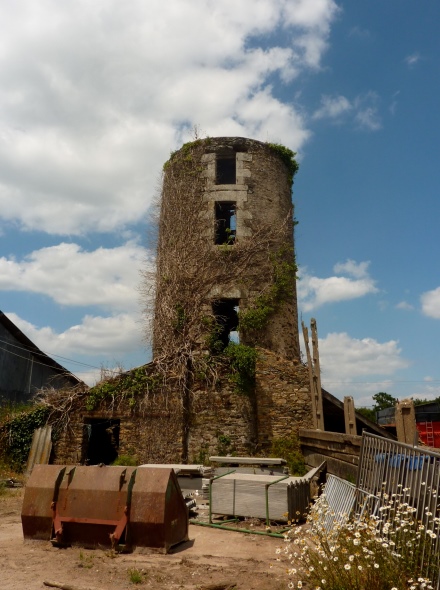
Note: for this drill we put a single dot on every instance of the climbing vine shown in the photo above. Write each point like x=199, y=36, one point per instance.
x=288, y=157
x=284, y=270
x=187, y=338
x=16, y=435
x=131, y=387
x=242, y=361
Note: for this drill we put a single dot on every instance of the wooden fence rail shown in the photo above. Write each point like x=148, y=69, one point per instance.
x=341, y=451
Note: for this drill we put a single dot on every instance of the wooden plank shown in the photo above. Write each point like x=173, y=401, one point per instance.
x=331, y=446
x=334, y=466
x=309, y=434
x=347, y=457
x=248, y=460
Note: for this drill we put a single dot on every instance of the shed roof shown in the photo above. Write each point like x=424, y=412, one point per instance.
x=41, y=356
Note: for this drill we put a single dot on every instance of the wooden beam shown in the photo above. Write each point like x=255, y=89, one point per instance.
x=406, y=422
x=349, y=415
x=317, y=375
x=311, y=380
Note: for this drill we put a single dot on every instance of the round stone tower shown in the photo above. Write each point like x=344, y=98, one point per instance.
x=225, y=263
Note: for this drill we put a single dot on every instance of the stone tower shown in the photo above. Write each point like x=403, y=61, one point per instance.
x=226, y=264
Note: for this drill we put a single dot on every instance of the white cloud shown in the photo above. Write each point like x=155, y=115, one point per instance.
x=345, y=360
x=106, y=277
x=412, y=59
x=368, y=118
x=404, y=305
x=332, y=107
x=96, y=335
x=353, y=268
x=362, y=109
x=359, y=33
x=95, y=94
x=99, y=337
x=314, y=292
x=431, y=303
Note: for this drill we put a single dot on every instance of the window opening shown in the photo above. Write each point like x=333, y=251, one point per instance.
x=226, y=170
x=225, y=222
x=100, y=441
x=226, y=315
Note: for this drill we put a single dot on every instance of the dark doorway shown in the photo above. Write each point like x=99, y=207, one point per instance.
x=100, y=441
x=226, y=170
x=226, y=315
x=225, y=222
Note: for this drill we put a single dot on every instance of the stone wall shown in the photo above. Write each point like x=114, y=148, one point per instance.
x=284, y=400
x=262, y=199
x=220, y=421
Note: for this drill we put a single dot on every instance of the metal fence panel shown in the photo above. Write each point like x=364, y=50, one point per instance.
x=389, y=469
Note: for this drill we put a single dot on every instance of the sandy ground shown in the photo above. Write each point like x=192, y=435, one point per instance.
x=212, y=560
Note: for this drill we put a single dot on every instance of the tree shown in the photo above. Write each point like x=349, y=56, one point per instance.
x=383, y=400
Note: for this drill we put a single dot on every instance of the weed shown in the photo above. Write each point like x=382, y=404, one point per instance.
x=126, y=460
x=290, y=450
x=136, y=576
x=85, y=560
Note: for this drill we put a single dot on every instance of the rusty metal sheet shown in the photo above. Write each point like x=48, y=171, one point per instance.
x=40, y=492
x=92, y=506
x=105, y=506
x=40, y=449
x=158, y=516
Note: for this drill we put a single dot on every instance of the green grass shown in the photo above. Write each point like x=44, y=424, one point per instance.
x=136, y=576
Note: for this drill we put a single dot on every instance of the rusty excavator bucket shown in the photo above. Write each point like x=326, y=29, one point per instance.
x=117, y=507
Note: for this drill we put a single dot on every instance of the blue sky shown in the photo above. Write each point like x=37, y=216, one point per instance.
x=95, y=95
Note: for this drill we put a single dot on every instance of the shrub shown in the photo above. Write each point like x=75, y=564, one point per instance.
x=126, y=460
x=289, y=449
x=16, y=435
x=243, y=361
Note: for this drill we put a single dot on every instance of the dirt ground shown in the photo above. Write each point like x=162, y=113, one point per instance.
x=212, y=560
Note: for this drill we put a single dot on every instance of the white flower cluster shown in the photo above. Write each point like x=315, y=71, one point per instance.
x=392, y=551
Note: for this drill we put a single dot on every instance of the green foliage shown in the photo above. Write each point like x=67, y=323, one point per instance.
x=419, y=402
x=224, y=445
x=9, y=410
x=368, y=413
x=213, y=341
x=243, y=360
x=126, y=461
x=383, y=400
x=202, y=457
x=290, y=450
x=184, y=152
x=288, y=157
x=180, y=320
x=284, y=274
x=136, y=576
x=130, y=386
x=16, y=435
x=86, y=560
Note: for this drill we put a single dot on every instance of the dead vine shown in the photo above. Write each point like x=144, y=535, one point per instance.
x=190, y=268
